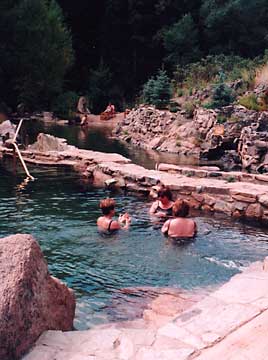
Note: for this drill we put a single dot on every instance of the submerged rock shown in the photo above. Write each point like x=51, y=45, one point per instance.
x=32, y=301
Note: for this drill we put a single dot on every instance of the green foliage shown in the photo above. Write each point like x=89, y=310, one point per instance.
x=174, y=107
x=99, y=89
x=189, y=107
x=37, y=51
x=65, y=105
x=157, y=90
x=231, y=179
x=235, y=26
x=250, y=102
x=222, y=95
x=199, y=74
x=221, y=119
x=180, y=92
x=181, y=41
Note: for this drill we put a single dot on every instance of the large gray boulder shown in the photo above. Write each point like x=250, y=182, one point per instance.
x=46, y=142
x=31, y=301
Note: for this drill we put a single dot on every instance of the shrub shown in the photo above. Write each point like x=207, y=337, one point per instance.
x=65, y=105
x=189, y=107
x=174, y=107
x=157, y=91
x=180, y=92
x=230, y=179
x=221, y=119
x=250, y=102
x=222, y=95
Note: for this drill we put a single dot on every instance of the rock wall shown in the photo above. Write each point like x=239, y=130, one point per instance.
x=31, y=300
x=233, y=134
x=159, y=130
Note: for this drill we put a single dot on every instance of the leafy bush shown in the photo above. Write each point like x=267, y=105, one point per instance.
x=221, y=119
x=174, y=107
x=180, y=92
x=189, y=108
x=65, y=105
x=197, y=75
x=250, y=102
x=157, y=91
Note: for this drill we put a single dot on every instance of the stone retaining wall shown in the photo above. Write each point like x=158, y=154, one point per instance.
x=207, y=190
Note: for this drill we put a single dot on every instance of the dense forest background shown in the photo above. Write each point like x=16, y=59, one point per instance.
x=53, y=51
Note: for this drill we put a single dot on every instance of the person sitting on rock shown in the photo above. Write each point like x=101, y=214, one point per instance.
x=179, y=227
x=83, y=111
x=106, y=224
x=163, y=206
x=110, y=110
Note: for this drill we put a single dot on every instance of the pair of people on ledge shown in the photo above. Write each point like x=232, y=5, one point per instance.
x=177, y=225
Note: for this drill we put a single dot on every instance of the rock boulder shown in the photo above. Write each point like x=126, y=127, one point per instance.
x=31, y=301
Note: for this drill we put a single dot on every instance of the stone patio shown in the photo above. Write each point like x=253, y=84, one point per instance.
x=231, y=324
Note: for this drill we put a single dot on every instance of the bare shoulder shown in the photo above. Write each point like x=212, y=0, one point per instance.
x=115, y=225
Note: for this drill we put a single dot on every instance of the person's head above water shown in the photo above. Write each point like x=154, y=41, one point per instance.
x=180, y=208
x=107, y=206
x=165, y=195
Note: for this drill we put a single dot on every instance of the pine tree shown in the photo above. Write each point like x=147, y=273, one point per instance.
x=157, y=91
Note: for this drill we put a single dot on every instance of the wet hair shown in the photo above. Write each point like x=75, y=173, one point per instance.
x=165, y=191
x=107, y=205
x=180, y=208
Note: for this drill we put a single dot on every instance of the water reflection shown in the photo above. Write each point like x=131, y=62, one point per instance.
x=98, y=138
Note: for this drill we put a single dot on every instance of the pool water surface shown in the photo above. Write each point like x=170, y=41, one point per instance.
x=61, y=213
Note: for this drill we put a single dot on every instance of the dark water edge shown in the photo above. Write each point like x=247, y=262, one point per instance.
x=61, y=212
x=99, y=138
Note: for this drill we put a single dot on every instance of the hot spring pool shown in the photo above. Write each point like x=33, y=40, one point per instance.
x=61, y=213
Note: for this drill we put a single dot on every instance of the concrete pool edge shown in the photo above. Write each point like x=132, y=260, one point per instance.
x=230, y=323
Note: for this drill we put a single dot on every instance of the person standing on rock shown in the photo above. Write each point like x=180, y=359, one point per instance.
x=83, y=110
x=106, y=224
x=162, y=207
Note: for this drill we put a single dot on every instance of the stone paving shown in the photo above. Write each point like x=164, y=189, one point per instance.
x=230, y=324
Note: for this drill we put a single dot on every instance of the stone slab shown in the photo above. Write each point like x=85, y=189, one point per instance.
x=248, y=342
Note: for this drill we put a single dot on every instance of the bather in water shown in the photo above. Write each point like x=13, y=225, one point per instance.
x=163, y=206
x=106, y=223
x=179, y=228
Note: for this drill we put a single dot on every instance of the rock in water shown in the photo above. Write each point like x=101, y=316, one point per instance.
x=31, y=301
x=46, y=142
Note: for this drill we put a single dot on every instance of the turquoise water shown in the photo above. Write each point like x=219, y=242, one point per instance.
x=61, y=212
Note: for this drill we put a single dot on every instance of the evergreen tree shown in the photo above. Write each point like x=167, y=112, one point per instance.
x=157, y=91
x=222, y=94
x=38, y=51
x=181, y=41
x=100, y=84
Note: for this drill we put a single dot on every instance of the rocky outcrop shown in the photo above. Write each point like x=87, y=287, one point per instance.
x=253, y=145
x=46, y=142
x=233, y=134
x=7, y=130
x=31, y=300
x=159, y=130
